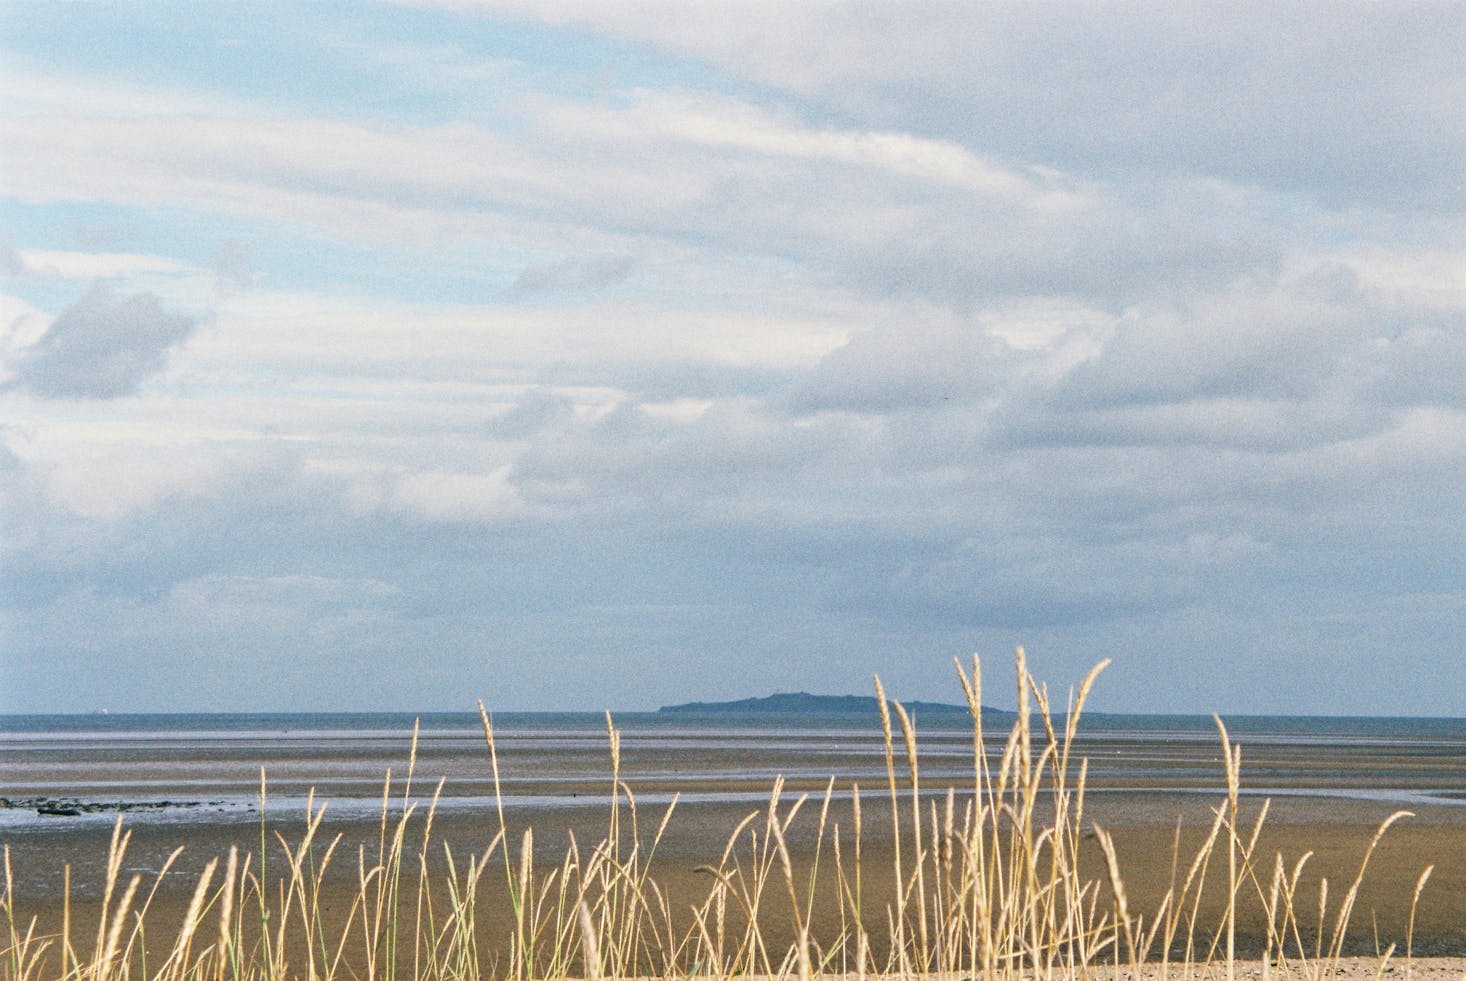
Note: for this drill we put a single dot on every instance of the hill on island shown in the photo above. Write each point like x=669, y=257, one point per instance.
x=802, y=703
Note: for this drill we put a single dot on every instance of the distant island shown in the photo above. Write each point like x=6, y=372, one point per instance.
x=803, y=703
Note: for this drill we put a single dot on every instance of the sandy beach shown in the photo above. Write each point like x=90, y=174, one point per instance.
x=187, y=796
x=1336, y=832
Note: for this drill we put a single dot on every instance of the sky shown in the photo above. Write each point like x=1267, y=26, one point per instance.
x=361, y=356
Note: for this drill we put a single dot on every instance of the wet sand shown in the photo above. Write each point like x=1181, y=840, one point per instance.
x=1337, y=832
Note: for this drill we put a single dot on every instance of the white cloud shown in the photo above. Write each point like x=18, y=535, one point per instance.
x=658, y=172
x=1035, y=323
x=721, y=124
x=446, y=496
x=1433, y=279
x=96, y=265
x=107, y=470
x=44, y=88
x=21, y=325
x=322, y=336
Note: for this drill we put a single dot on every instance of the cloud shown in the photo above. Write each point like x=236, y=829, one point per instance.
x=881, y=209
x=775, y=341
x=916, y=363
x=1358, y=109
x=683, y=192
x=12, y=263
x=573, y=276
x=103, y=346
x=728, y=125
x=599, y=344
x=441, y=496
x=232, y=266
x=532, y=413
x=96, y=265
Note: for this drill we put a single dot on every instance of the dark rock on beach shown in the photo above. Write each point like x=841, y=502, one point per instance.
x=58, y=810
x=71, y=807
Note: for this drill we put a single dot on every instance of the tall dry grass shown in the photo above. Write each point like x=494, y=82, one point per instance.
x=988, y=883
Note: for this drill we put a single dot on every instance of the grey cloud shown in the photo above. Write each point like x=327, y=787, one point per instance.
x=1269, y=425
x=905, y=365
x=693, y=379
x=1275, y=370
x=631, y=461
x=1114, y=252
x=573, y=276
x=1415, y=361
x=1043, y=584
x=267, y=517
x=1344, y=109
x=1240, y=342
x=1359, y=104
x=534, y=411
x=11, y=263
x=103, y=346
x=839, y=547
x=233, y=266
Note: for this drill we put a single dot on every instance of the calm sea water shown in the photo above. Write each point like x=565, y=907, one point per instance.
x=191, y=768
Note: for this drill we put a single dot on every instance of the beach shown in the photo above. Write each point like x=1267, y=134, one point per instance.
x=1336, y=832
x=1157, y=797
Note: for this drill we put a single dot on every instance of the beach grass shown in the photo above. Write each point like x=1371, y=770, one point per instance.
x=996, y=879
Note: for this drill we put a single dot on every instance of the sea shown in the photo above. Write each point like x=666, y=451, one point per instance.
x=79, y=771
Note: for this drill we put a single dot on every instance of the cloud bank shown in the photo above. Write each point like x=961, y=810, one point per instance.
x=701, y=356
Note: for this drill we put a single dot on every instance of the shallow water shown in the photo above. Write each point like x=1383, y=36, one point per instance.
x=207, y=768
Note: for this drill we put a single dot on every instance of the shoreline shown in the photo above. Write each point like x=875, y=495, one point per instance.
x=45, y=813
